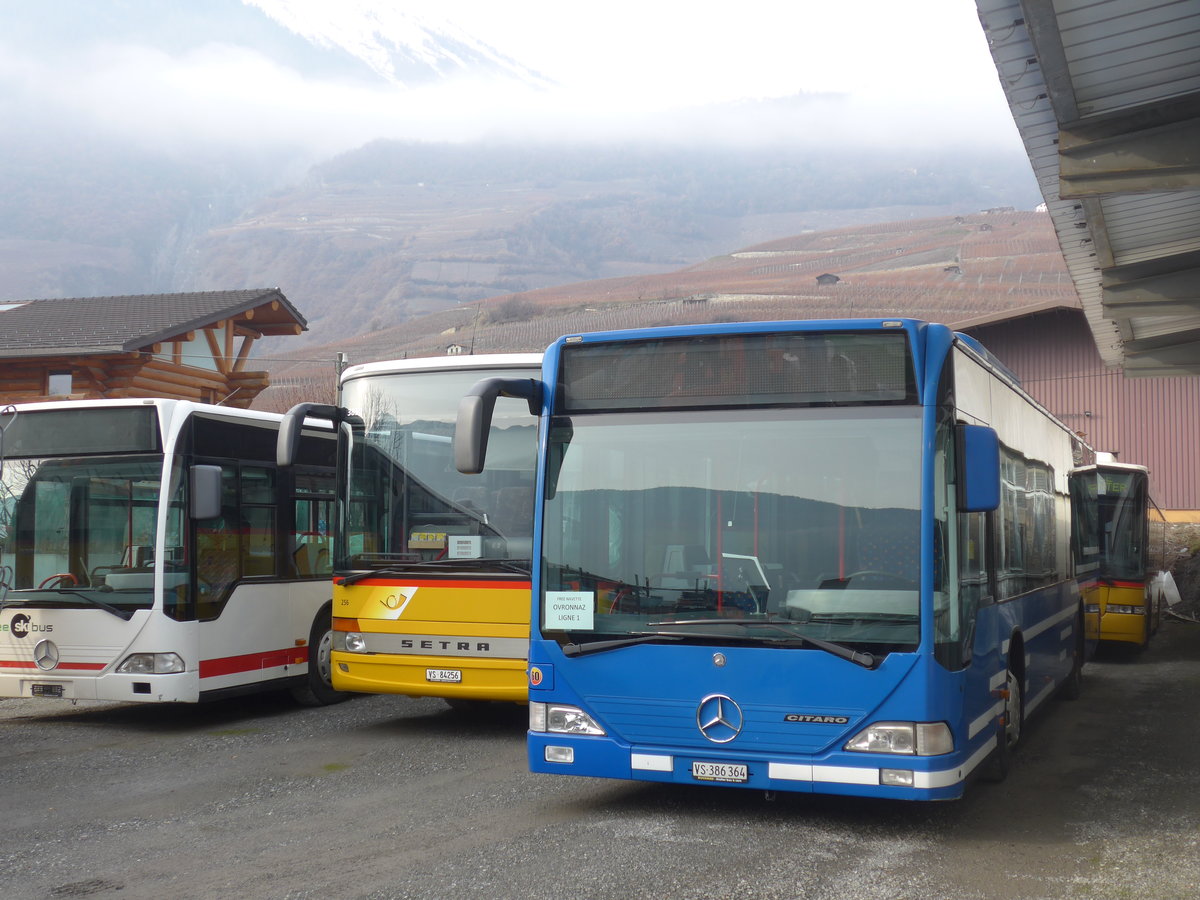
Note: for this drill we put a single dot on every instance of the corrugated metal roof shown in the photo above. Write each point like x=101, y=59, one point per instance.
x=1106, y=97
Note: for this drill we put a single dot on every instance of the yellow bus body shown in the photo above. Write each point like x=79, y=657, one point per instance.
x=456, y=638
x=1125, y=613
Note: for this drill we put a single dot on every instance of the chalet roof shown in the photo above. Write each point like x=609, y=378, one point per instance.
x=91, y=325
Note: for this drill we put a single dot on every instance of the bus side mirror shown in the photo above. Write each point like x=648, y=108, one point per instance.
x=206, y=492
x=287, y=443
x=978, y=468
x=475, y=417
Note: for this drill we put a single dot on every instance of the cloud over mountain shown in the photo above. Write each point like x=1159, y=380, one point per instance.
x=403, y=47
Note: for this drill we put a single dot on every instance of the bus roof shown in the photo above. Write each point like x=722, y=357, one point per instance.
x=443, y=363
x=1112, y=465
x=167, y=406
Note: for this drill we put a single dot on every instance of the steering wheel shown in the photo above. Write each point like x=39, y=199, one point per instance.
x=61, y=577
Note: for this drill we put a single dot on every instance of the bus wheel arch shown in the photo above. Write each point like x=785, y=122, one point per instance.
x=317, y=688
x=1014, y=693
x=1072, y=687
x=1011, y=720
x=1148, y=625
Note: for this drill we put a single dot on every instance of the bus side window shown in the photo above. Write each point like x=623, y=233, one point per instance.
x=312, y=514
x=257, y=522
x=218, y=551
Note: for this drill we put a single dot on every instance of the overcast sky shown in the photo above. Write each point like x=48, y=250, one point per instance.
x=691, y=51
x=911, y=73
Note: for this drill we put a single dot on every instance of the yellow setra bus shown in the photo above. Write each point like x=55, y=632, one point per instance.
x=1126, y=537
x=431, y=568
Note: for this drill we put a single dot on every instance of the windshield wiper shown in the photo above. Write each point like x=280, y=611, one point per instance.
x=125, y=614
x=864, y=618
x=516, y=566
x=641, y=637
x=859, y=658
x=866, y=660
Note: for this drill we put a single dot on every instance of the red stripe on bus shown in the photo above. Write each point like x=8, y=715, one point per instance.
x=252, y=662
x=428, y=582
x=79, y=667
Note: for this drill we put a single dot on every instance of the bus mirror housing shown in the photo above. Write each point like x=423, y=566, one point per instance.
x=206, y=492
x=288, y=441
x=978, y=469
x=475, y=417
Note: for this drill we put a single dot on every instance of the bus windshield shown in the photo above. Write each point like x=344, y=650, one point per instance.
x=719, y=519
x=408, y=503
x=1121, y=500
x=80, y=531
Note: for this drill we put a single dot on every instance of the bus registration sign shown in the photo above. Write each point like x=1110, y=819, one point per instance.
x=451, y=676
x=736, y=773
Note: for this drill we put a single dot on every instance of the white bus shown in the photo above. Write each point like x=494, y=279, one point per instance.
x=151, y=551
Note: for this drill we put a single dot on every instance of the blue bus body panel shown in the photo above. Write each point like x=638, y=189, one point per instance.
x=799, y=707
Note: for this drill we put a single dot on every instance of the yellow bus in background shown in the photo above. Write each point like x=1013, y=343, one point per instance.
x=1127, y=537
x=431, y=568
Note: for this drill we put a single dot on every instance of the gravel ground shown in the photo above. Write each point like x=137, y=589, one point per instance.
x=387, y=797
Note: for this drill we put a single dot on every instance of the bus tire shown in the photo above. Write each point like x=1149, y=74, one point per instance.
x=317, y=689
x=1072, y=688
x=1008, y=730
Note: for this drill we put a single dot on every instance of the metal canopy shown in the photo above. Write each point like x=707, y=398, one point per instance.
x=1106, y=97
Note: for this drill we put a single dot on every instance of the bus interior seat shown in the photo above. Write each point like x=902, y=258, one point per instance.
x=892, y=546
x=302, y=559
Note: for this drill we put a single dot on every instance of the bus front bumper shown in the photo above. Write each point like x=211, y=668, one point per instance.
x=862, y=775
x=116, y=687
x=452, y=677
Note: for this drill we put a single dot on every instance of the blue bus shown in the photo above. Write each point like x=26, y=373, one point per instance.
x=817, y=556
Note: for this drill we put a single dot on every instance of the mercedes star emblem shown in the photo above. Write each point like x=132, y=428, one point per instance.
x=719, y=718
x=45, y=655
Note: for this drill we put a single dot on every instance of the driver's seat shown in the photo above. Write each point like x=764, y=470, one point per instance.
x=891, y=547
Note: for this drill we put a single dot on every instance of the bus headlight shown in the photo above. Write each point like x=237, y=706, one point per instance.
x=558, y=719
x=908, y=738
x=350, y=641
x=152, y=664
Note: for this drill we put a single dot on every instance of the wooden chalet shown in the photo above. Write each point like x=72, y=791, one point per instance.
x=192, y=346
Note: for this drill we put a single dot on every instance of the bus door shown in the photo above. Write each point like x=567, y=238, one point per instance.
x=240, y=602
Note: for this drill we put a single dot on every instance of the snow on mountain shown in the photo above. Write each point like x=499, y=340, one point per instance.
x=407, y=47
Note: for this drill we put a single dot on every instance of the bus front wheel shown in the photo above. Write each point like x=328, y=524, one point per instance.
x=317, y=689
x=1073, y=687
x=1008, y=731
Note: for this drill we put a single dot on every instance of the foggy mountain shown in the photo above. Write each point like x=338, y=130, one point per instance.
x=401, y=46
x=948, y=269
x=102, y=194
x=337, y=40
x=121, y=175
x=394, y=230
